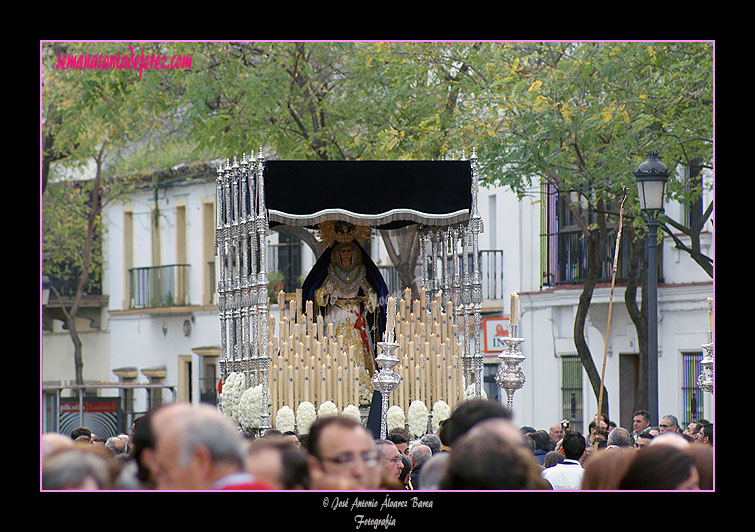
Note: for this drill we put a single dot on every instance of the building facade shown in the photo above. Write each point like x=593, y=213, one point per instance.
x=162, y=324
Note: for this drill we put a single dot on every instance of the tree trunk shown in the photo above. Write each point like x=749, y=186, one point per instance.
x=595, y=245
x=86, y=259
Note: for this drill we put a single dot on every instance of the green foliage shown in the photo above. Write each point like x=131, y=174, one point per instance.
x=581, y=115
x=584, y=115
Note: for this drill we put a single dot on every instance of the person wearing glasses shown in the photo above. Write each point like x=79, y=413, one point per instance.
x=392, y=464
x=342, y=455
x=669, y=423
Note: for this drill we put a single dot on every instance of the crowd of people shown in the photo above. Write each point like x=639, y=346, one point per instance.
x=179, y=446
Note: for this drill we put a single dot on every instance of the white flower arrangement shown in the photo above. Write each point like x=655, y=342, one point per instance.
x=250, y=408
x=285, y=420
x=353, y=412
x=305, y=416
x=396, y=418
x=418, y=418
x=441, y=411
x=365, y=396
x=328, y=408
x=233, y=388
x=469, y=393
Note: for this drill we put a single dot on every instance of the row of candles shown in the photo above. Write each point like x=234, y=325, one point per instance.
x=310, y=363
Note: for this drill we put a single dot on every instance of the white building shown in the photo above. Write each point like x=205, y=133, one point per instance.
x=165, y=328
x=557, y=387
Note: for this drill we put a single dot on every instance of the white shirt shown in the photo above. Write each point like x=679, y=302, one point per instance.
x=565, y=476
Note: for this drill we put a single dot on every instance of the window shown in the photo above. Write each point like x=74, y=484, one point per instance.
x=209, y=380
x=692, y=395
x=548, y=237
x=563, y=250
x=128, y=255
x=571, y=391
x=288, y=260
x=209, y=283
x=181, y=234
x=488, y=381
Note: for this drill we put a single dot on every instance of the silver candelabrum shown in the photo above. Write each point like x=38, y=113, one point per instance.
x=705, y=379
x=386, y=379
x=510, y=376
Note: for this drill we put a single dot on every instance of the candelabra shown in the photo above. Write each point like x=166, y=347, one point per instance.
x=386, y=379
x=705, y=379
x=510, y=376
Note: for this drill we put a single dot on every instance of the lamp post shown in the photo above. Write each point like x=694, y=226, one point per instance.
x=652, y=176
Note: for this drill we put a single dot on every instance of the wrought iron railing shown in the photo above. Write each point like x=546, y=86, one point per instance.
x=564, y=259
x=159, y=286
x=491, y=272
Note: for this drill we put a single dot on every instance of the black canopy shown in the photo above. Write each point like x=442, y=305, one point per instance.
x=381, y=194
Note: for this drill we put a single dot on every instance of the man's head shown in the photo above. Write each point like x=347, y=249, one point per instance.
x=292, y=438
x=490, y=458
x=79, y=468
x=468, y=414
x=432, y=441
x=640, y=421
x=391, y=458
x=116, y=445
x=146, y=432
x=693, y=428
x=669, y=423
x=620, y=437
x=556, y=432
x=340, y=447
x=705, y=434
x=196, y=449
x=53, y=441
x=573, y=446
x=420, y=454
x=643, y=440
x=81, y=431
x=126, y=439
x=401, y=442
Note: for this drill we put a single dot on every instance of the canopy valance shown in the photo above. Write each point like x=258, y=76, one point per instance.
x=379, y=194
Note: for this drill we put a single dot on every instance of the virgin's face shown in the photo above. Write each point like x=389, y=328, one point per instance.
x=346, y=253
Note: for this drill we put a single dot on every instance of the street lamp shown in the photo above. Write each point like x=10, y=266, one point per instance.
x=652, y=176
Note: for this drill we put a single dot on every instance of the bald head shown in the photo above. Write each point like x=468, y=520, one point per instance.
x=116, y=445
x=420, y=454
x=52, y=441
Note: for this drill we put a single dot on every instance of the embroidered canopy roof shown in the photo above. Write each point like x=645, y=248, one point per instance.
x=380, y=194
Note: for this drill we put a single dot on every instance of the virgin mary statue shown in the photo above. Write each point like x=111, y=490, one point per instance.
x=347, y=289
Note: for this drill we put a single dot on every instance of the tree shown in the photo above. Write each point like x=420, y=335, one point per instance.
x=581, y=116
x=88, y=116
x=330, y=101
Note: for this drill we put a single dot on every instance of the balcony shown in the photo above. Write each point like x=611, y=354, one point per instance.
x=563, y=258
x=491, y=274
x=159, y=286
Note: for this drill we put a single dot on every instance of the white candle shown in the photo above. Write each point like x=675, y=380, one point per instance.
x=390, y=326
x=514, y=308
x=710, y=314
